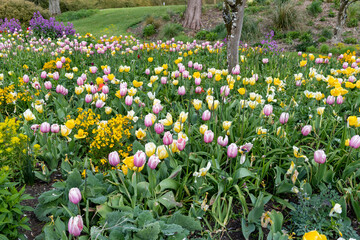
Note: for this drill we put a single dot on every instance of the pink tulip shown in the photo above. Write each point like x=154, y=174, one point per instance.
x=47, y=85
x=148, y=120
x=75, y=225
x=339, y=100
x=319, y=156
x=163, y=80
x=153, y=161
x=74, y=195
x=167, y=139
x=355, y=142
x=223, y=141
x=139, y=159
x=45, y=127
x=147, y=71
x=56, y=76
x=159, y=128
x=99, y=104
x=55, y=128
x=232, y=150
x=181, y=143
x=330, y=100
x=284, y=117
x=123, y=91
x=206, y=115
x=88, y=98
x=105, y=89
x=43, y=75
x=157, y=108
x=59, y=64
x=306, y=130
x=114, y=158
x=190, y=64
x=128, y=100
x=93, y=69
x=26, y=78
x=63, y=59
x=268, y=109
x=181, y=91
x=208, y=136
x=198, y=90
x=265, y=60
x=197, y=81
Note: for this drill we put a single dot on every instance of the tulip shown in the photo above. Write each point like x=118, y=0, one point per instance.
x=268, y=109
x=99, y=104
x=28, y=115
x=330, y=100
x=306, y=130
x=157, y=108
x=148, y=120
x=128, y=100
x=159, y=128
x=63, y=59
x=55, y=128
x=75, y=225
x=150, y=149
x=320, y=156
x=88, y=98
x=284, y=117
x=139, y=159
x=198, y=90
x=355, y=142
x=181, y=91
x=163, y=80
x=208, y=136
x=93, y=69
x=190, y=64
x=181, y=143
x=47, y=85
x=225, y=90
x=197, y=81
x=153, y=161
x=265, y=60
x=123, y=91
x=298, y=83
x=314, y=235
x=45, y=127
x=26, y=78
x=206, y=115
x=59, y=64
x=74, y=195
x=232, y=150
x=223, y=141
x=339, y=100
x=56, y=76
x=114, y=158
x=167, y=139
x=43, y=75
x=105, y=89
x=35, y=127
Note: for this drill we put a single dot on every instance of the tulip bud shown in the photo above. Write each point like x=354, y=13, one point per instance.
x=330, y=100
x=56, y=76
x=284, y=117
x=268, y=109
x=198, y=90
x=139, y=159
x=47, y=85
x=26, y=78
x=55, y=128
x=157, y=108
x=43, y=75
x=167, y=139
x=153, y=161
x=181, y=91
x=319, y=156
x=306, y=130
x=74, y=195
x=105, y=89
x=159, y=128
x=197, y=81
x=208, y=136
x=88, y=98
x=339, y=100
x=75, y=225
x=355, y=142
x=128, y=100
x=232, y=151
x=59, y=64
x=45, y=127
x=181, y=143
x=114, y=158
x=150, y=149
x=163, y=80
x=99, y=104
x=123, y=91
x=223, y=141
x=206, y=115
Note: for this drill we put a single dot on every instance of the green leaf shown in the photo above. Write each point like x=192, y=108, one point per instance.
x=3, y=237
x=243, y=172
x=168, y=183
x=277, y=221
x=50, y=196
x=170, y=229
x=186, y=222
x=149, y=232
x=247, y=228
x=284, y=187
x=144, y=218
x=168, y=200
x=137, y=146
x=74, y=179
x=98, y=200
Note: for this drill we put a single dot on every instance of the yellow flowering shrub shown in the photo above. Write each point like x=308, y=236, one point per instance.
x=51, y=65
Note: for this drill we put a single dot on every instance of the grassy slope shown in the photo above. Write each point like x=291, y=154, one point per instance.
x=117, y=21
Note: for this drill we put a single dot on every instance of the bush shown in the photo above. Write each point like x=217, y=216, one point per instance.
x=293, y=35
x=20, y=9
x=352, y=22
x=322, y=39
x=331, y=14
x=304, y=45
x=306, y=37
x=149, y=30
x=286, y=16
x=314, y=8
x=250, y=30
x=201, y=35
x=312, y=49
x=334, y=51
x=327, y=33
x=12, y=211
x=71, y=15
x=211, y=36
x=171, y=30
x=324, y=48
x=220, y=30
x=351, y=40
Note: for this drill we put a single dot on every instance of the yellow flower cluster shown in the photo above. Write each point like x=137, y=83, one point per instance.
x=51, y=65
x=6, y=96
x=86, y=119
x=112, y=135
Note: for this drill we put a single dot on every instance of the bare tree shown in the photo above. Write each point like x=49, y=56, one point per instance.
x=341, y=18
x=54, y=7
x=233, y=15
x=193, y=14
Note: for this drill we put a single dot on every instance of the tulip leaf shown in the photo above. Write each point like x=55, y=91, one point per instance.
x=168, y=183
x=168, y=200
x=243, y=172
x=247, y=228
x=137, y=146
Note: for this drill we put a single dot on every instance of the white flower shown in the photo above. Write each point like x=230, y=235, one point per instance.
x=202, y=172
x=151, y=95
x=336, y=209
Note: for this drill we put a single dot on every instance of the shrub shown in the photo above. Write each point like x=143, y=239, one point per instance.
x=314, y=8
x=322, y=19
x=211, y=36
x=20, y=9
x=322, y=39
x=324, y=48
x=293, y=35
x=250, y=29
x=149, y=30
x=306, y=37
x=311, y=49
x=49, y=27
x=351, y=40
x=74, y=15
x=171, y=30
x=334, y=51
x=184, y=38
x=331, y=14
x=286, y=16
x=220, y=30
x=327, y=33
x=12, y=211
x=352, y=22
x=304, y=45
x=201, y=35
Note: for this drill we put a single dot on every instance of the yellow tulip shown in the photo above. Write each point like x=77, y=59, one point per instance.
x=70, y=124
x=161, y=152
x=203, y=128
x=140, y=134
x=150, y=149
x=314, y=235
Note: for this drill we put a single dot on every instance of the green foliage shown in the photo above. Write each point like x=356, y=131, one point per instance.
x=293, y=35
x=324, y=48
x=327, y=33
x=351, y=40
x=71, y=16
x=201, y=35
x=314, y=8
x=318, y=206
x=311, y=49
x=254, y=9
x=331, y=14
x=352, y=22
x=171, y=30
x=220, y=29
x=322, y=19
x=286, y=16
x=20, y=9
x=250, y=29
x=11, y=211
x=149, y=30
x=322, y=39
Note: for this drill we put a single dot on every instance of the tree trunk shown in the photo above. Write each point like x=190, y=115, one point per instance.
x=341, y=18
x=233, y=14
x=54, y=7
x=193, y=15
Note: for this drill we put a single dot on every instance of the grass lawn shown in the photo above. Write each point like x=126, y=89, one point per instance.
x=117, y=20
